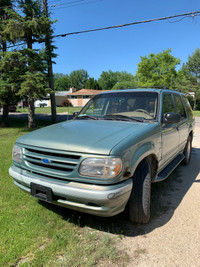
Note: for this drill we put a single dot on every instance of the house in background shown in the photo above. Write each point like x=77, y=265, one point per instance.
x=60, y=98
x=63, y=98
x=81, y=97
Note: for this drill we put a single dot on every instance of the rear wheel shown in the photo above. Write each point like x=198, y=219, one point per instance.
x=188, y=151
x=139, y=202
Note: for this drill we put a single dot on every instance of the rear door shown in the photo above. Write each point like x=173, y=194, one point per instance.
x=183, y=126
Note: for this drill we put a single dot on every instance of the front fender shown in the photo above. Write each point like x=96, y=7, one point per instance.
x=142, y=152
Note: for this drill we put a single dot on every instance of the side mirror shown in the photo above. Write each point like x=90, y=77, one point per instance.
x=171, y=118
x=75, y=114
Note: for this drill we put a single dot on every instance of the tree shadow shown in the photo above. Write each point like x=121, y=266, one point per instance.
x=21, y=118
x=166, y=197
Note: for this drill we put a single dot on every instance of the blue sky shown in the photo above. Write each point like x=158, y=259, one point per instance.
x=120, y=49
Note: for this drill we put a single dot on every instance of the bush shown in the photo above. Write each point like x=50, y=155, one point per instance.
x=67, y=103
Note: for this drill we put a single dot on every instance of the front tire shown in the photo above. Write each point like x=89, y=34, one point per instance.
x=188, y=151
x=139, y=202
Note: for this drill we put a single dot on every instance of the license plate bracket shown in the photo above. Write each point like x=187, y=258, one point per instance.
x=41, y=192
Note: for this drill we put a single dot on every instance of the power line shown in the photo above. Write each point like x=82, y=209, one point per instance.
x=86, y=3
x=66, y=3
x=189, y=14
x=186, y=15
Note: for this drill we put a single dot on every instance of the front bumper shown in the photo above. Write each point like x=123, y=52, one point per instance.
x=98, y=200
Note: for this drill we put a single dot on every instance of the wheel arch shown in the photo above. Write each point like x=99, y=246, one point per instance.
x=151, y=157
x=191, y=134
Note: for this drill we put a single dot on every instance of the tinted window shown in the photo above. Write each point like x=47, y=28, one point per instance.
x=168, y=105
x=179, y=106
x=187, y=106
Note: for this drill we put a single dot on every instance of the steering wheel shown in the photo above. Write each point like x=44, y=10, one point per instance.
x=141, y=110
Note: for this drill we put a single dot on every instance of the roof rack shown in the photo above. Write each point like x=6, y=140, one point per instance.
x=156, y=87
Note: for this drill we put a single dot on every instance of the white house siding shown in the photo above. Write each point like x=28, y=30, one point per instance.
x=60, y=100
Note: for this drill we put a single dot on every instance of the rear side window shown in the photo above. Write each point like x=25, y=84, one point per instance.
x=168, y=105
x=179, y=106
x=187, y=106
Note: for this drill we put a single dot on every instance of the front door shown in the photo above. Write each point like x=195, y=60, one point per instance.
x=169, y=133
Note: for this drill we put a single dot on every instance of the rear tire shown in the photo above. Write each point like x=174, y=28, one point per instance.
x=188, y=151
x=139, y=202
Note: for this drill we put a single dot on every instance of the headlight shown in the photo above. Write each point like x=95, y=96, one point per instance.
x=17, y=154
x=101, y=167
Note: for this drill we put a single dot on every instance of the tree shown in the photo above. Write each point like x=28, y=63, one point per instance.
x=125, y=84
x=157, y=69
x=193, y=73
x=33, y=87
x=17, y=82
x=61, y=82
x=30, y=27
x=11, y=68
x=4, y=6
x=92, y=84
x=48, y=56
x=78, y=78
x=108, y=79
x=5, y=98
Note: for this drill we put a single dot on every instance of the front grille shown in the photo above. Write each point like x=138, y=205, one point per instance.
x=59, y=163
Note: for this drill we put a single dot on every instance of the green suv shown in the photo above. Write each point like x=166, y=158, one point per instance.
x=105, y=159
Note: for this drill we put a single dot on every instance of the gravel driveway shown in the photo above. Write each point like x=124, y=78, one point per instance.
x=172, y=237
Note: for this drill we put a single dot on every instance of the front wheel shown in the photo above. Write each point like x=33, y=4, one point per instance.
x=188, y=151
x=139, y=202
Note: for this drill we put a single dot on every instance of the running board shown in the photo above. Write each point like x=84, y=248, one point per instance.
x=169, y=169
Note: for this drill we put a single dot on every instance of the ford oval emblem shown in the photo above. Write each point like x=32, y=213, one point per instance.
x=46, y=161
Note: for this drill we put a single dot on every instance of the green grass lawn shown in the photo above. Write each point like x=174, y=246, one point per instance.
x=33, y=233
x=196, y=113
x=47, y=110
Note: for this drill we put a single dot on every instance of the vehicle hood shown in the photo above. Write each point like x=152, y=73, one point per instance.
x=85, y=136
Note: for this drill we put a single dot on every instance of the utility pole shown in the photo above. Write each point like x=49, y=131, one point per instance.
x=49, y=63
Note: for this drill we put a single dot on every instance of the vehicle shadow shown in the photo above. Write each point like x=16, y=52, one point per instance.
x=166, y=197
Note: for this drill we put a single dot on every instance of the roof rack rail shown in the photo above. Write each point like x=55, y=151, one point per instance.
x=155, y=87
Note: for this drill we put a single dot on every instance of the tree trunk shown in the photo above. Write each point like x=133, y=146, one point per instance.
x=49, y=63
x=31, y=113
x=31, y=107
x=52, y=95
x=4, y=46
x=5, y=118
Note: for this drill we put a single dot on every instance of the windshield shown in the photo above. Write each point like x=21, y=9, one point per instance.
x=121, y=105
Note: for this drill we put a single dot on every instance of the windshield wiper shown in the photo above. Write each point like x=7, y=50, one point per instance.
x=121, y=117
x=86, y=117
